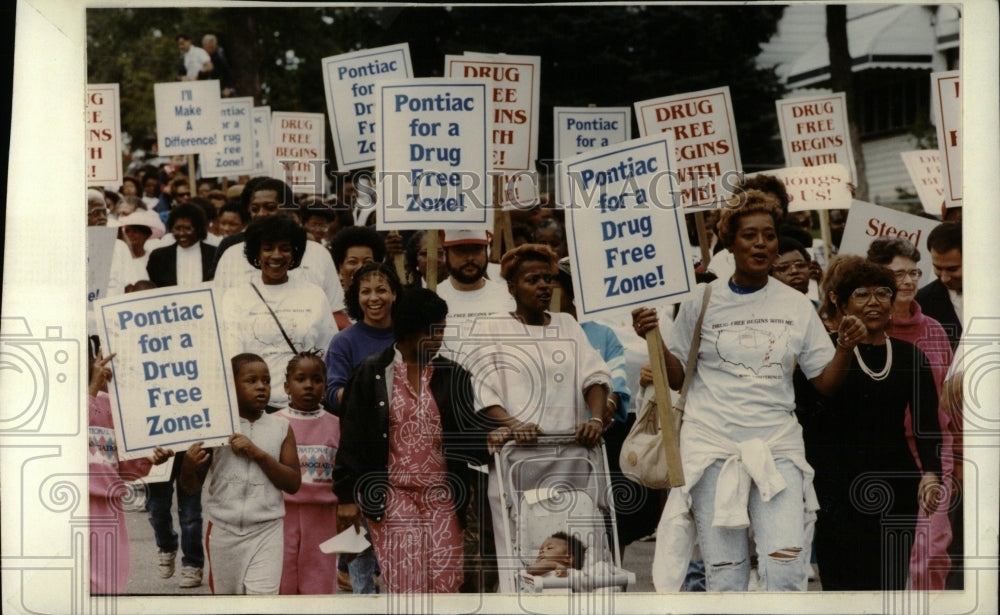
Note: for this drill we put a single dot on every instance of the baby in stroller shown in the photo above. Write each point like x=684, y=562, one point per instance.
x=558, y=553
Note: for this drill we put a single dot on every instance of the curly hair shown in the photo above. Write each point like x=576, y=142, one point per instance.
x=882, y=251
x=768, y=184
x=351, y=298
x=416, y=310
x=744, y=204
x=356, y=236
x=511, y=262
x=575, y=547
x=855, y=274
x=273, y=229
x=194, y=213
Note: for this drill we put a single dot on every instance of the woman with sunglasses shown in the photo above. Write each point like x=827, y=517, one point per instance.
x=909, y=323
x=869, y=485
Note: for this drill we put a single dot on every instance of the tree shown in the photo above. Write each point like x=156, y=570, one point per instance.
x=842, y=80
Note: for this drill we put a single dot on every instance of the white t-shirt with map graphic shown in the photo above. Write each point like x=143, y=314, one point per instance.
x=749, y=348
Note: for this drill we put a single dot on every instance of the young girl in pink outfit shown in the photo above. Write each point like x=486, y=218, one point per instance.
x=109, y=558
x=311, y=513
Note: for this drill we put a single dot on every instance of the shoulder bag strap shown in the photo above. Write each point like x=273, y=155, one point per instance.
x=693, y=352
x=275, y=317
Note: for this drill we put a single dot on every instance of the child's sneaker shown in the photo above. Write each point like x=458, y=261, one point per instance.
x=166, y=566
x=190, y=576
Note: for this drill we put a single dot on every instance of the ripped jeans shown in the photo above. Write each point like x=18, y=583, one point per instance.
x=777, y=526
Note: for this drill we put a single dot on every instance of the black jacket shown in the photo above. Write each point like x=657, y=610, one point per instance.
x=935, y=302
x=162, y=264
x=363, y=455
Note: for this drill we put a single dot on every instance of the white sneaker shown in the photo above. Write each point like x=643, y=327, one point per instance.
x=166, y=566
x=190, y=576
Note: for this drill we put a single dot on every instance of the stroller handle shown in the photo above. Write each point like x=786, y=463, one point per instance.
x=555, y=437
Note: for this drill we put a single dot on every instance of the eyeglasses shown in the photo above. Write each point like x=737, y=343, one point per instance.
x=182, y=195
x=862, y=295
x=913, y=274
x=795, y=265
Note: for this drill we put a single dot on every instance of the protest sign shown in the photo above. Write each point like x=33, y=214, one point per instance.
x=234, y=154
x=172, y=382
x=299, y=150
x=349, y=81
x=867, y=222
x=187, y=116
x=263, y=151
x=515, y=88
x=627, y=240
x=702, y=129
x=924, y=167
x=100, y=249
x=580, y=129
x=432, y=154
x=814, y=131
x=820, y=187
x=946, y=105
x=104, y=135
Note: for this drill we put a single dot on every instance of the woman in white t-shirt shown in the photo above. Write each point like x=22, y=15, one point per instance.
x=275, y=316
x=741, y=445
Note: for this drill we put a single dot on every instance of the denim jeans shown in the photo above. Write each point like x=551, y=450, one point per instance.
x=777, y=526
x=362, y=570
x=159, y=498
x=694, y=580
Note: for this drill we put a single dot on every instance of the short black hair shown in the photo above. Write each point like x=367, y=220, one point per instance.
x=351, y=299
x=304, y=355
x=206, y=207
x=787, y=244
x=257, y=184
x=415, y=311
x=356, y=236
x=945, y=237
x=191, y=212
x=183, y=35
x=575, y=547
x=270, y=229
x=237, y=208
x=245, y=358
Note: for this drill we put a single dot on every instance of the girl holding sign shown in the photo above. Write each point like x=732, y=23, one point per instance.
x=739, y=421
x=243, y=485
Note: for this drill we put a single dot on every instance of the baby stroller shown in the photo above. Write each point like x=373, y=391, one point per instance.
x=558, y=485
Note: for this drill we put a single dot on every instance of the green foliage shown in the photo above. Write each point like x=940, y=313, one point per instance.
x=604, y=55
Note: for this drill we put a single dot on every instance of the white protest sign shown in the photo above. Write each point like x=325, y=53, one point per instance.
x=946, y=105
x=515, y=91
x=349, y=81
x=580, y=129
x=433, y=148
x=263, y=151
x=702, y=129
x=100, y=249
x=867, y=222
x=104, y=134
x=924, y=167
x=234, y=154
x=627, y=240
x=299, y=150
x=187, y=116
x=814, y=131
x=172, y=382
x=821, y=187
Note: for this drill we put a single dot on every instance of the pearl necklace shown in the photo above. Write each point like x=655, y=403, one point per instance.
x=884, y=373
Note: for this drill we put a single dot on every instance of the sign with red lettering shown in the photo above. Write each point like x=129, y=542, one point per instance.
x=581, y=129
x=432, y=154
x=104, y=135
x=263, y=152
x=299, y=146
x=867, y=222
x=814, y=131
x=515, y=90
x=702, y=131
x=172, y=383
x=234, y=154
x=946, y=109
x=821, y=187
x=924, y=167
x=349, y=81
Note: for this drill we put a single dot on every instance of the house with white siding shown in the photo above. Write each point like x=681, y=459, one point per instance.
x=894, y=49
